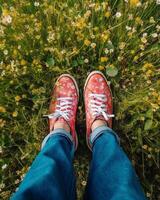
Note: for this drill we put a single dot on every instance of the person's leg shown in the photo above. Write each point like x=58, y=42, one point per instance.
x=111, y=174
x=51, y=175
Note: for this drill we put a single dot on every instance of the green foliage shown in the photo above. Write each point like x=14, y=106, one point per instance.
x=41, y=40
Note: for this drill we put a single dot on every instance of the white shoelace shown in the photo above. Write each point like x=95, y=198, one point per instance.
x=98, y=106
x=63, y=109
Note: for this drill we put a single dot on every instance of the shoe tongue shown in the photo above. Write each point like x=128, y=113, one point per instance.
x=61, y=119
x=100, y=117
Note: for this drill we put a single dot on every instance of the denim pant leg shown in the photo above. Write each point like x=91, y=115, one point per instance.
x=111, y=175
x=51, y=175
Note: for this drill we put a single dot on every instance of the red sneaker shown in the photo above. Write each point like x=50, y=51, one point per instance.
x=63, y=105
x=98, y=101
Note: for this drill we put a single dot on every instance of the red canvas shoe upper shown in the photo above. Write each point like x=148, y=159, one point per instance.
x=64, y=102
x=98, y=101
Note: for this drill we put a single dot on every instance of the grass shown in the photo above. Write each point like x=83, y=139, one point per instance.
x=41, y=40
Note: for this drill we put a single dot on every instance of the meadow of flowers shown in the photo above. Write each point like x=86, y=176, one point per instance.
x=39, y=40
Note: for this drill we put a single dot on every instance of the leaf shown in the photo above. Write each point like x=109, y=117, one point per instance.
x=50, y=62
x=111, y=71
x=149, y=114
x=29, y=9
x=56, y=69
x=81, y=62
x=74, y=63
x=148, y=124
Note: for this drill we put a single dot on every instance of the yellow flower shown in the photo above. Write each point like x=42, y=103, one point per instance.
x=122, y=45
x=134, y=2
x=35, y=61
x=141, y=46
x=149, y=72
x=138, y=20
x=101, y=67
x=81, y=23
x=107, y=14
x=2, y=109
x=14, y=114
x=97, y=7
x=23, y=62
x=2, y=123
x=155, y=106
x=5, y=12
x=37, y=37
x=17, y=98
x=135, y=58
x=144, y=40
x=155, y=94
x=104, y=59
x=80, y=36
x=147, y=66
x=130, y=34
x=105, y=36
x=87, y=42
x=15, y=52
x=2, y=44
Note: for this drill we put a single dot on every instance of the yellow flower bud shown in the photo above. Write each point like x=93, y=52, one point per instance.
x=87, y=42
x=134, y=2
x=2, y=109
x=104, y=59
x=107, y=14
x=17, y=98
x=14, y=114
x=101, y=68
x=23, y=62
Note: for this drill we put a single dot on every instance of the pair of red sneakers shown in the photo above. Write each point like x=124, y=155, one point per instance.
x=64, y=102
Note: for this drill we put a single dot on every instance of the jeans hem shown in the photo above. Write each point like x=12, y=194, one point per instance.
x=55, y=132
x=99, y=131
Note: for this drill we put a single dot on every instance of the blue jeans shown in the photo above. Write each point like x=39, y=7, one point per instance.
x=51, y=176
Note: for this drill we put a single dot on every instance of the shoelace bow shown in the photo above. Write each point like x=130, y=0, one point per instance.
x=63, y=108
x=98, y=106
